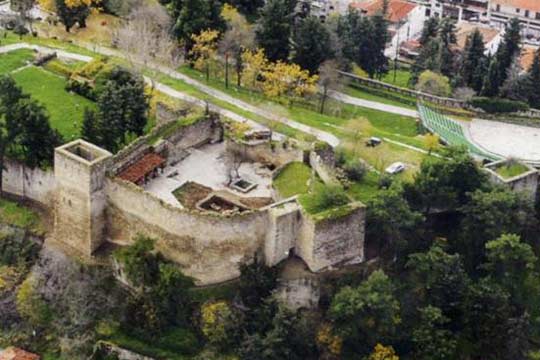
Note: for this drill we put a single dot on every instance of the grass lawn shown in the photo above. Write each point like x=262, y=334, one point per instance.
x=402, y=78
x=512, y=169
x=14, y=214
x=65, y=109
x=14, y=59
x=366, y=189
x=293, y=179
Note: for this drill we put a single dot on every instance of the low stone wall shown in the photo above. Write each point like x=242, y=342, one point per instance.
x=35, y=184
x=442, y=101
x=527, y=183
x=166, y=113
x=320, y=167
x=284, y=222
x=208, y=129
x=333, y=240
x=209, y=247
x=266, y=152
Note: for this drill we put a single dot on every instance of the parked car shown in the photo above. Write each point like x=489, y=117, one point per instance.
x=395, y=168
x=373, y=141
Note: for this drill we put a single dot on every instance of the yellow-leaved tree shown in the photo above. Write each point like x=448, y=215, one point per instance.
x=50, y=5
x=255, y=65
x=283, y=79
x=204, y=50
x=432, y=142
x=382, y=352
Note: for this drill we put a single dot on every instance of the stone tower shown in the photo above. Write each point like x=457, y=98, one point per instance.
x=79, y=169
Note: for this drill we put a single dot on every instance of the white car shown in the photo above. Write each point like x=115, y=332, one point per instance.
x=395, y=168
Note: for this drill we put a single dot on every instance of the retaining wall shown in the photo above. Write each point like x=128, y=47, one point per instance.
x=35, y=184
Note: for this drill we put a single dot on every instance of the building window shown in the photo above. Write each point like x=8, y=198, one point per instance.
x=518, y=10
x=526, y=13
x=537, y=16
x=498, y=8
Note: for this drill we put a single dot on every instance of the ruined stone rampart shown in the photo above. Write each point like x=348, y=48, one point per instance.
x=266, y=152
x=35, y=184
x=208, y=246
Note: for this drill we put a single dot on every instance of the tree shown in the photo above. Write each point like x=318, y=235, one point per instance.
x=516, y=86
x=434, y=84
x=249, y=8
x=433, y=341
x=378, y=40
x=447, y=37
x=474, y=63
x=490, y=214
x=274, y=29
x=256, y=282
x=429, y=31
x=219, y=325
x=366, y=314
x=439, y=279
x=311, y=44
x=444, y=183
x=329, y=80
x=255, y=65
x=23, y=7
x=493, y=327
x=283, y=79
x=493, y=79
x=204, y=50
x=390, y=222
x=238, y=38
x=432, y=142
x=512, y=264
x=146, y=41
x=73, y=12
x=90, y=127
x=534, y=79
x=196, y=16
x=381, y=352
x=122, y=107
x=510, y=46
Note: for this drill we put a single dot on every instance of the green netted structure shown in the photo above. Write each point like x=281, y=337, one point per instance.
x=450, y=131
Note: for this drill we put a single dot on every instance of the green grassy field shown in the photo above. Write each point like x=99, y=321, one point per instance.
x=293, y=180
x=510, y=170
x=65, y=109
x=402, y=78
x=14, y=60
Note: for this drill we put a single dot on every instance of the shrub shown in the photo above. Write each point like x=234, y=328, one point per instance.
x=59, y=68
x=355, y=170
x=496, y=105
x=341, y=156
x=81, y=88
x=217, y=322
x=327, y=197
x=16, y=249
x=433, y=83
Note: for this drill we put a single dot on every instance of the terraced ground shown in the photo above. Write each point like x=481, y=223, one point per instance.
x=14, y=60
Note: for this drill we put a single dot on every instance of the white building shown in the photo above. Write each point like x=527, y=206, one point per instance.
x=528, y=12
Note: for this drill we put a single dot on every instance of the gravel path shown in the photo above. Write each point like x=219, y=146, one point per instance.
x=373, y=105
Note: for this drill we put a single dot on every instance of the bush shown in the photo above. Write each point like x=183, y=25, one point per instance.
x=20, y=30
x=81, y=88
x=327, y=197
x=498, y=106
x=341, y=156
x=434, y=84
x=355, y=170
x=59, y=68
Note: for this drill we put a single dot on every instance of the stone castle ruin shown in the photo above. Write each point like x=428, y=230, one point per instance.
x=206, y=197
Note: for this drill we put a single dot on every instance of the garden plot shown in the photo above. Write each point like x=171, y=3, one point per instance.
x=14, y=60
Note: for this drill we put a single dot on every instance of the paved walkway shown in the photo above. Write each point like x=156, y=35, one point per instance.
x=373, y=105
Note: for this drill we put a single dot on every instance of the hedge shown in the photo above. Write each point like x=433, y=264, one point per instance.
x=498, y=106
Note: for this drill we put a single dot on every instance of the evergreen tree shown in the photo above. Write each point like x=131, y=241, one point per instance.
x=534, y=82
x=516, y=86
x=429, y=31
x=447, y=36
x=379, y=38
x=473, y=67
x=248, y=7
x=433, y=341
x=311, y=44
x=493, y=79
x=71, y=15
x=196, y=16
x=90, y=127
x=274, y=29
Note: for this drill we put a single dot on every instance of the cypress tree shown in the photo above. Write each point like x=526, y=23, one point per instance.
x=312, y=44
x=90, y=127
x=274, y=29
x=473, y=67
x=534, y=81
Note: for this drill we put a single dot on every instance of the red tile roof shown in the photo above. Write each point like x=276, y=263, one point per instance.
x=142, y=167
x=13, y=353
x=532, y=5
x=397, y=9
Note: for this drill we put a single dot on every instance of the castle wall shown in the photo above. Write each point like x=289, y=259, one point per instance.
x=263, y=152
x=35, y=184
x=326, y=242
x=284, y=222
x=208, y=247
